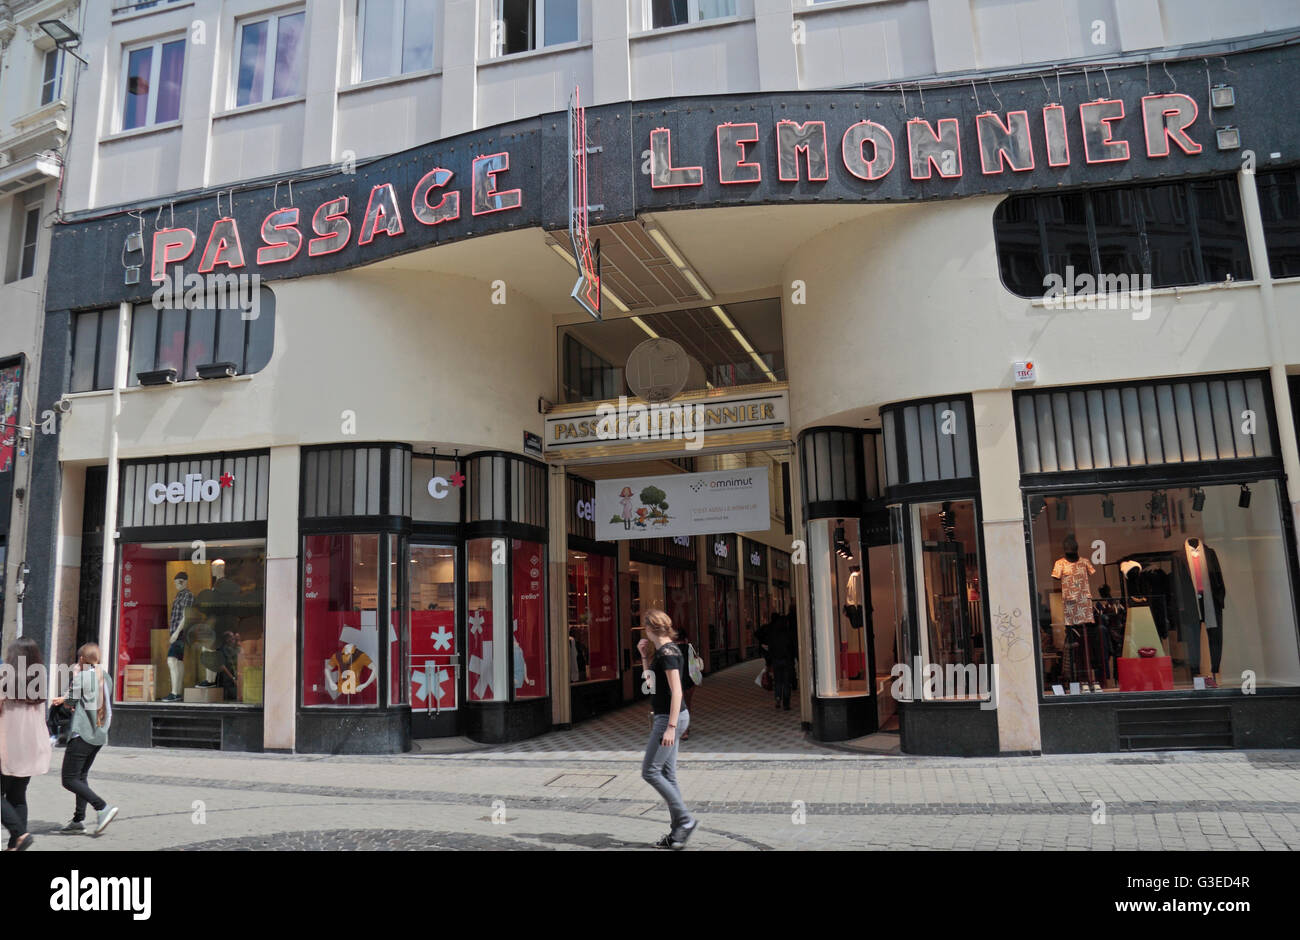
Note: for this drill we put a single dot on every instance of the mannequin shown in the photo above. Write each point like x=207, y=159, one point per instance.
x=343, y=671
x=176, y=650
x=218, y=603
x=1073, y=572
x=1206, y=583
x=853, y=597
x=1139, y=627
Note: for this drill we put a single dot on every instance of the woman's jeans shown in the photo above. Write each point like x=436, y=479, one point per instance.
x=659, y=768
x=76, y=768
x=13, y=806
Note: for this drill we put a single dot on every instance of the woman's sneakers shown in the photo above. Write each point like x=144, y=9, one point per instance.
x=105, y=816
x=74, y=827
x=677, y=838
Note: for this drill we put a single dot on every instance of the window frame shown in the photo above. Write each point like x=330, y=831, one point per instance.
x=52, y=86
x=693, y=17
x=396, y=43
x=246, y=343
x=537, y=29
x=155, y=73
x=270, y=53
x=24, y=271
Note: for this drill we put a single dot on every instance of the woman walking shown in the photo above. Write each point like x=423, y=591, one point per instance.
x=663, y=663
x=91, y=687
x=24, y=739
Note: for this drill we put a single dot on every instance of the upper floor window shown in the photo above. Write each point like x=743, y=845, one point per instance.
x=184, y=339
x=152, y=83
x=1279, y=208
x=25, y=232
x=678, y=12
x=1123, y=238
x=396, y=37
x=134, y=6
x=271, y=58
x=522, y=25
x=52, y=76
x=94, y=344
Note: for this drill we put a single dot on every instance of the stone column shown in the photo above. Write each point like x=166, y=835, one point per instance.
x=280, y=676
x=1011, y=630
x=558, y=599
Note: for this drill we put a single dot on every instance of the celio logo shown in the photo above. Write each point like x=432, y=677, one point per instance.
x=721, y=549
x=193, y=489
x=585, y=509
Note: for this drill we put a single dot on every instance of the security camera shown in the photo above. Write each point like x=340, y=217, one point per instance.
x=63, y=406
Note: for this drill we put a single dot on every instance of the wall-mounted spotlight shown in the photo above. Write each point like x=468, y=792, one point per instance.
x=1062, y=510
x=1229, y=137
x=1244, y=499
x=135, y=242
x=1222, y=96
x=157, y=377
x=1198, y=499
x=1036, y=505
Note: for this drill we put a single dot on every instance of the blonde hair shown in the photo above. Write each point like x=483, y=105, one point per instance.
x=659, y=623
x=90, y=653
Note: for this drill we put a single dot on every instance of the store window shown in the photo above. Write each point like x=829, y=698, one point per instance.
x=679, y=12
x=1163, y=588
x=94, y=346
x=1104, y=239
x=593, y=626
x=1279, y=207
x=529, y=607
x=679, y=590
x=951, y=634
x=523, y=25
x=586, y=376
x=345, y=593
x=502, y=582
x=191, y=631
x=152, y=83
x=434, y=652
x=839, y=614
x=397, y=36
x=184, y=339
x=646, y=587
x=272, y=58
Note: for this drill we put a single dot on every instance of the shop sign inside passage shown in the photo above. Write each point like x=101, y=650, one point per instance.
x=682, y=504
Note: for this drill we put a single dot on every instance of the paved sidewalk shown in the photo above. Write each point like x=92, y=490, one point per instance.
x=196, y=800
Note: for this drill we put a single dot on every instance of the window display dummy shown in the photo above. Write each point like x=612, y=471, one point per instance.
x=1073, y=572
x=1202, y=578
x=350, y=671
x=177, y=624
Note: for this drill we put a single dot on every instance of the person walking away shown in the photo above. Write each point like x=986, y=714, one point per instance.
x=662, y=662
x=784, y=648
x=24, y=740
x=91, y=687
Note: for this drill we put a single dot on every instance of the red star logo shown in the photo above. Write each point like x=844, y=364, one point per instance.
x=458, y=479
x=227, y=480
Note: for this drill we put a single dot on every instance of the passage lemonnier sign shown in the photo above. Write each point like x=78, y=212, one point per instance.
x=693, y=423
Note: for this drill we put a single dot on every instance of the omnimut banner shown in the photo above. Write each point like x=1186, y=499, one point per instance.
x=682, y=504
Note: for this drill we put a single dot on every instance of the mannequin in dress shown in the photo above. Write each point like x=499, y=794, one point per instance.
x=1073, y=572
x=1208, y=588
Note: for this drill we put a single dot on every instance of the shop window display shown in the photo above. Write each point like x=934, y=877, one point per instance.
x=947, y=565
x=593, y=637
x=505, y=585
x=341, y=617
x=529, y=608
x=646, y=586
x=1182, y=588
x=839, y=616
x=433, y=647
x=191, y=625
x=679, y=585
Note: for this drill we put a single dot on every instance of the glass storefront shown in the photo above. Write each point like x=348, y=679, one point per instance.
x=645, y=584
x=946, y=555
x=681, y=603
x=191, y=622
x=839, y=614
x=431, y=601
x=593, y=629
x=505, y=586
x=1163, y=588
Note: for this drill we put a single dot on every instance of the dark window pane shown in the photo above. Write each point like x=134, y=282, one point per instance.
x=230, y=341
x=1068, y=252
x=169, y=81
x=518, y=26
x=1119, y=243
x=136, y=110
x=107, y=348
x=1020, y=249
x=252, y=64
x=1279, y=205
x=561, y=21
x=86, y=332
x=1169, y=236
x=144, y=337
x=1222, y=230
x=668, y=12
x=261, y=333
x=417, y=36
x=377, y=39
x=171, y=341
x=289, y=51
x=203, y=325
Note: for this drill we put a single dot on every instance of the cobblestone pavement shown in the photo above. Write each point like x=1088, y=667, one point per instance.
x=202, y=800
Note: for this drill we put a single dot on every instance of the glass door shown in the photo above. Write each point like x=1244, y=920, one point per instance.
x=435, y=650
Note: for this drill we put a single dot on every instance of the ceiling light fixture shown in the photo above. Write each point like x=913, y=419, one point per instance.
x=646, y=327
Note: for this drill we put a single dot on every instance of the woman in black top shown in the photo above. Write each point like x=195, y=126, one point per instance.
x=662, y=663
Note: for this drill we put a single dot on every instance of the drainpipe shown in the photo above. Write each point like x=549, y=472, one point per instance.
x=1286, y=431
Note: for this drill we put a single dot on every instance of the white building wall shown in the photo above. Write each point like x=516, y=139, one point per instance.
x=768, y=45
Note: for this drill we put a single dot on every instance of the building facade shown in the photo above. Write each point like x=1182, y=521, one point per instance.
x=993, y=298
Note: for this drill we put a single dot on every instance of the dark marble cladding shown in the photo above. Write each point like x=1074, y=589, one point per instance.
x=595, y=699
x=425, y=724
x=504, y=722
x=948, y=729
x=1264, y=720
x=841, y=719
x=339, y=732
x=241, y=729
